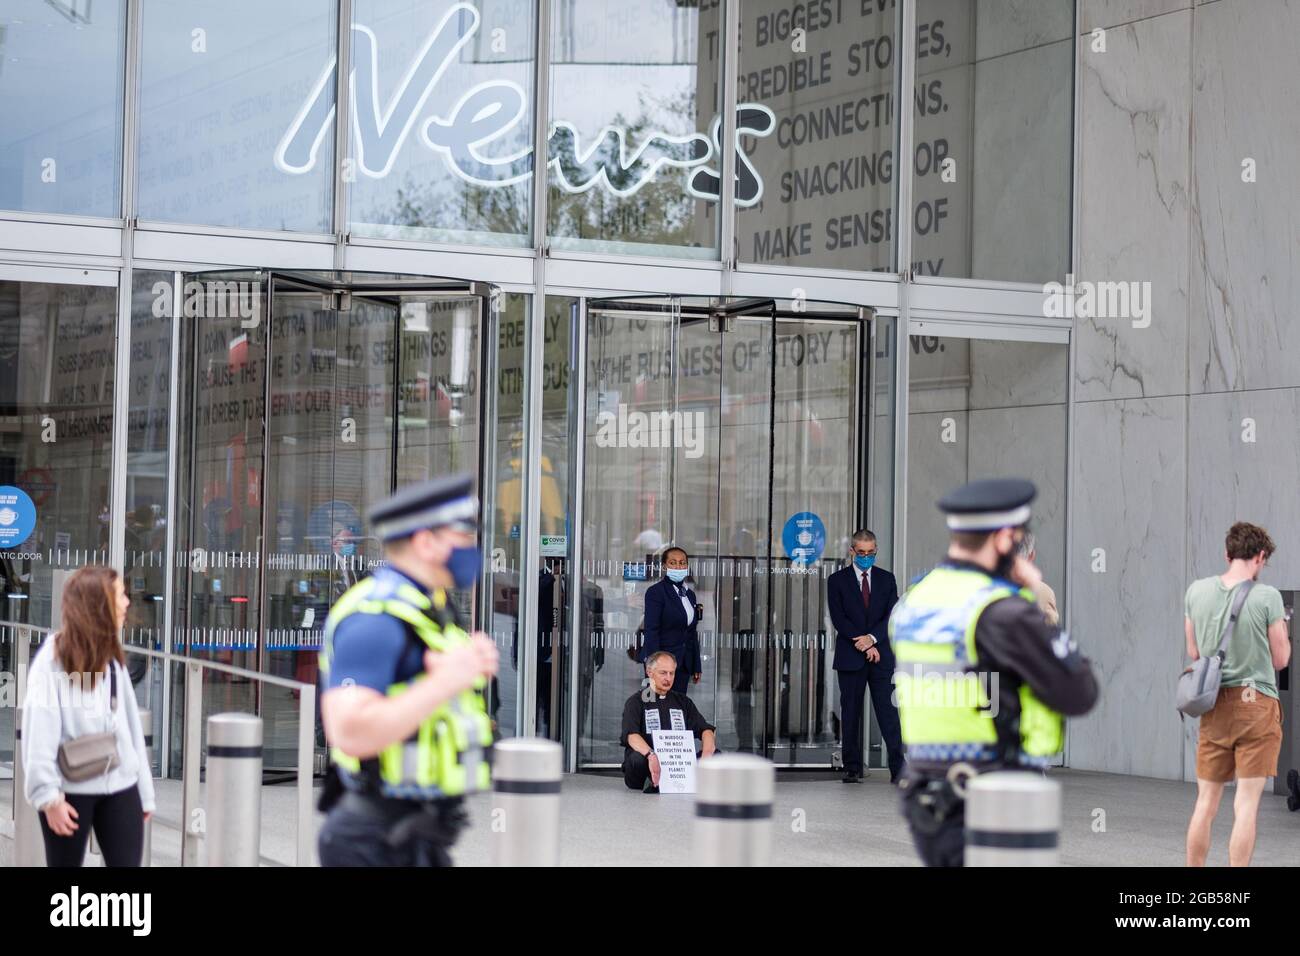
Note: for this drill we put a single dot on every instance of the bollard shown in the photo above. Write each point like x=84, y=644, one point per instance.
x=733, y=810
x=526, y=802
x=1013, y=818
x=234, y=793
x=29, y=845
x=146, y=728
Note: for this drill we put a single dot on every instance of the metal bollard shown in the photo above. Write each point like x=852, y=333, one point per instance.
x=1013, y=818
x=234, y=793
x=146, y=728
x=29, y=845
x=733, y=810
x=526, y=800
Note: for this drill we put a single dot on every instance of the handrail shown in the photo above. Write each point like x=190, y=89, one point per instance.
x=192, y=816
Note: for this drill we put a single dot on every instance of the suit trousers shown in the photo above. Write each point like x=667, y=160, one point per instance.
x=853, y=688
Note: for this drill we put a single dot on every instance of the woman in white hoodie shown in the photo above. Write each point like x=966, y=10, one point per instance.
x=69, y=689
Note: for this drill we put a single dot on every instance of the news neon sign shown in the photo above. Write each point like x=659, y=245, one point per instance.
x=486, y=114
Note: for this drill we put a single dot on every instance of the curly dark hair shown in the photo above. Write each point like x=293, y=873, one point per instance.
x=1245, y=540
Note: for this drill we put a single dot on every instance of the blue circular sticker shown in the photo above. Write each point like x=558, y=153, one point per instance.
x=804, y=537
x=17, y=516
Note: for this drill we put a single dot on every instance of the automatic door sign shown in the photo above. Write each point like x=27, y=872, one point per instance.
x=17, y=516
x=804, y=537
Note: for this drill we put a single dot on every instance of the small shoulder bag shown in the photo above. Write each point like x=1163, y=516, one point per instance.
x=92, y=755
x=1198, y=686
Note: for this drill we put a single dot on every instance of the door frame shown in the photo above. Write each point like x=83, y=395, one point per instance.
x=658, y=303
x=377, y=286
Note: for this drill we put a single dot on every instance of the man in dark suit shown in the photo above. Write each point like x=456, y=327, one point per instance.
x=861, y=598
x=672, y=617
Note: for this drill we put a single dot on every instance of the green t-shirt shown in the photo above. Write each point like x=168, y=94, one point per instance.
x=1249, y=659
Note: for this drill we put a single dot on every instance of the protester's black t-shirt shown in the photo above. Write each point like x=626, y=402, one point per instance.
x=671, y=711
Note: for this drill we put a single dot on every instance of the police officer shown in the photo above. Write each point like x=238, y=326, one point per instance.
x=403, y=701
x=982, y=679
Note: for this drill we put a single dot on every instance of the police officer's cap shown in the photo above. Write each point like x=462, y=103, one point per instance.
x=446, y=502
x=989, y=504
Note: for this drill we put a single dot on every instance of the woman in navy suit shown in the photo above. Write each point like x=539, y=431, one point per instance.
x=672, y=619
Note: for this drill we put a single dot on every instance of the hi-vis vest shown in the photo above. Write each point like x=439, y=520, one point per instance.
x=448, y=755
x=943, y=699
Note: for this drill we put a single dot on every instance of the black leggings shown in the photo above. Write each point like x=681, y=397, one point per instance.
x=118, y=822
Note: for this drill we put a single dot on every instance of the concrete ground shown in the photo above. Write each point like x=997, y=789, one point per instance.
x=604, y=824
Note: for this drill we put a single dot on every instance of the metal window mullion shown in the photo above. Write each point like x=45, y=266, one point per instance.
x=577, y=456
x=118, y=452
x=169, y=547
x=728, y=62
x=534, y=354
x=342, y=127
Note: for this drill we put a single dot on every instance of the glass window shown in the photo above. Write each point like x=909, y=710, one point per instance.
x=442, y=120
x=633, y=151
x=815, y=99
x=145, y=559
x=994, y=139
x=236, y=101
x=61, y=67
x=984, y=409
x=57, y=371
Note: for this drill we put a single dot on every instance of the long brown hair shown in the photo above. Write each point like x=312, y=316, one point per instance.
x=88, y=638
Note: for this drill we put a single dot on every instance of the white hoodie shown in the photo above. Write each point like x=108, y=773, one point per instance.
x=55, y=710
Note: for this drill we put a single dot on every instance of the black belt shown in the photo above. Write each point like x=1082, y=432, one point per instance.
x=439, y=821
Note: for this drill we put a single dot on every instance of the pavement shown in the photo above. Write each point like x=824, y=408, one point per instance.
x=1108, y=820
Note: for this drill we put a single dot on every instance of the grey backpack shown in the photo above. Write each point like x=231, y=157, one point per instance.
x=1198, y=687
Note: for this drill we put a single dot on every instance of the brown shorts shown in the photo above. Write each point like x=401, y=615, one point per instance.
x=1240, y=737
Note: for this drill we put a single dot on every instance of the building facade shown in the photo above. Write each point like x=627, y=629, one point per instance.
x=230, y=323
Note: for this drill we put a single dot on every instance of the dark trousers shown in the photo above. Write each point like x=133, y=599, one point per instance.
x=118, y=822
x=853, y=688
x=636, y=769
x=350, y=838
x=938, y=843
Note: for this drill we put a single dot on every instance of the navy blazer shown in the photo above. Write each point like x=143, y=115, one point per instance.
x=666, y=628
x=844, y=598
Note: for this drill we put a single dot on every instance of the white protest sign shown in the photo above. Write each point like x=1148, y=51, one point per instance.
x=676, y=752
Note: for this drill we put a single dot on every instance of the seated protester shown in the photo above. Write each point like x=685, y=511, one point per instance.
x=658, y=707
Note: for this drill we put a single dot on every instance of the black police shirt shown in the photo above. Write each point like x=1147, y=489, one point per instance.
x=670, y=711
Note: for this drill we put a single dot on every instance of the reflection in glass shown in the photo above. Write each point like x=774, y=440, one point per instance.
x=330, y=461
x=457, y=166
x=816, y=92
x=630, y=168
x=145, y=556
x=219, y=487
x=57, y=374
x=994, y=152
x=221, y=85
x=61, y=99
x=763, y=426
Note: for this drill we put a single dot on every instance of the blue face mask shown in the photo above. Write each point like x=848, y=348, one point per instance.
x=864, y=562
x=465, y=565
x=677, y=575
x=348, y=548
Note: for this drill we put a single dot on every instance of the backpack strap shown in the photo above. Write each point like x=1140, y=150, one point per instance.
x=1230, y=628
